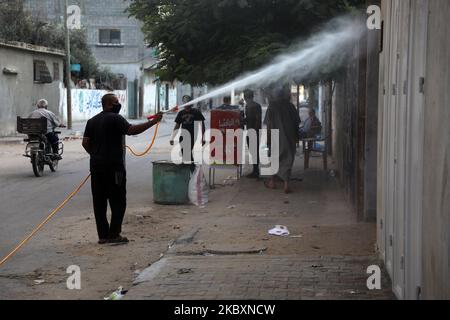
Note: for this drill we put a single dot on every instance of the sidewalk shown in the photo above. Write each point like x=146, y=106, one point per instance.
x=228, y=254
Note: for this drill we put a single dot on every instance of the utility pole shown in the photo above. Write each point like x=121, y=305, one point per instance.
x=69, y=92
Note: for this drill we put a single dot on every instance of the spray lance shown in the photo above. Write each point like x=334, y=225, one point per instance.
x=187, y=100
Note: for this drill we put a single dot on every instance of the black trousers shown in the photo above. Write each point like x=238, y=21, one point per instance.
x=53, y=139
x=255, y=166
x=189, y=151
x=109, y=186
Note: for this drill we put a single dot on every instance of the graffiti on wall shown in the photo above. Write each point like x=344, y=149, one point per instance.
x=88, y=103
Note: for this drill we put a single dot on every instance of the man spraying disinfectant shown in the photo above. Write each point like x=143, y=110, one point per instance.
x=104, y=140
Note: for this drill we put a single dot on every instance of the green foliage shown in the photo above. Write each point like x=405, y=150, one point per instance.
x=213, y=41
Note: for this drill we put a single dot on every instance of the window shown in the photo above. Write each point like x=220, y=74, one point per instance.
x=41, y=73
x=109, y=36
x=56, y=71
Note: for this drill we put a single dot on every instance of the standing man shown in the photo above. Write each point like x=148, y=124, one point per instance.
x=186, y=120
x=104, y=140
x=52, y=124
x=283, y=116
x=253, y=119
x=227, y=104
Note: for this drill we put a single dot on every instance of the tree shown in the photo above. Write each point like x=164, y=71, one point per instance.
x=214, y=41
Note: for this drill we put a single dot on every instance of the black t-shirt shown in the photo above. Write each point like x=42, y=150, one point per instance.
x=187, y=119
x=106, y=132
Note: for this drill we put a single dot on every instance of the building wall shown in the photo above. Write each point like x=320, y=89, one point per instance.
x=354, y=118
x=103, y=14
x=345, y=124
x=19, y=93
x=129, y=59
x=436, y=200
x=414, y=140
x=88, y=103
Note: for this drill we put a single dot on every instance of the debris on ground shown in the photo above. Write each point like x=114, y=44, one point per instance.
x=297, y=236
x=184, y=271
x=279, y=230
x=117, y=295
x=231, y=207
x=39, y=281
x=236, y=252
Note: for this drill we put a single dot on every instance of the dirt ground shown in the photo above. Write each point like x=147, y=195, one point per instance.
x=236, y=220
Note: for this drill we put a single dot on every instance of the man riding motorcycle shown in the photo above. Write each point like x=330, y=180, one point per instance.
x=52, y=124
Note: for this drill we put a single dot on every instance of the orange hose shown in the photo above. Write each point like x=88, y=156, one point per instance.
x=39, y=227
x=150, y=146
x=63, y=204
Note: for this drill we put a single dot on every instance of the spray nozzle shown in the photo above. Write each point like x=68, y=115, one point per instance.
x=174, y=109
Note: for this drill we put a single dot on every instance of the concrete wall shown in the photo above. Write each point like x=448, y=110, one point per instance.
x=19, y=93
x=345, y=124
x=88, y=103
x=102, y=14
x=129, y=59
x=354, y=116
x=371, y=125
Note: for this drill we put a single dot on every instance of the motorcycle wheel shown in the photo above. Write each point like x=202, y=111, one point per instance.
x=53, y=165
x=38, y=165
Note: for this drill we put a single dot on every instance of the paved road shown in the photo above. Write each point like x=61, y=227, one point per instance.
x=26, y=200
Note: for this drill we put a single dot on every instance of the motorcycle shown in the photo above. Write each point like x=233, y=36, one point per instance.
x=38, y=148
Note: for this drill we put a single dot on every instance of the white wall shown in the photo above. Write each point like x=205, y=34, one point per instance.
x=88, y=103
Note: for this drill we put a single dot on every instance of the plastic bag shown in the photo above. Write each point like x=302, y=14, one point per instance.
x=279, y=230
x=198, y=188
x=116, y=295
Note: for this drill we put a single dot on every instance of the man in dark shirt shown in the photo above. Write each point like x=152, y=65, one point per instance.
x=186, y=119
x=312, y=126
x=253, y=119
x=227, y=105
x=104, y=140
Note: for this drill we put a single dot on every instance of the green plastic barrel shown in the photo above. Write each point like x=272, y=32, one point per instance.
x=171, y=182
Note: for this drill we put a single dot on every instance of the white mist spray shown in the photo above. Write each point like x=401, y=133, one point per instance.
x=308, y=56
